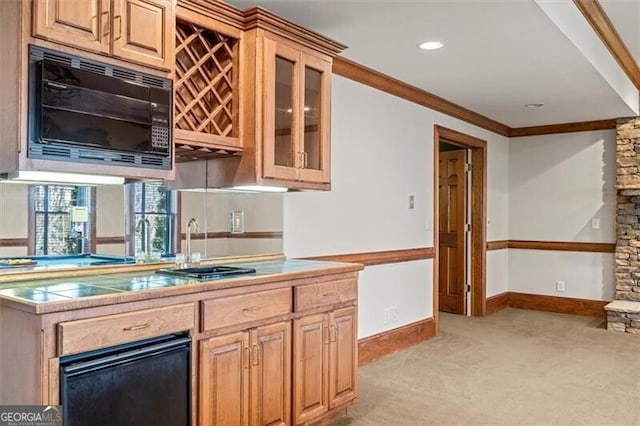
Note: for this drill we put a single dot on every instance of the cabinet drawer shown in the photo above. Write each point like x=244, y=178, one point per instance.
x=227, y=311
x=95, y=333
x=323, y=294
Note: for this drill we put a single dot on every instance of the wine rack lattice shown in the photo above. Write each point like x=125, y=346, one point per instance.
x=204, y=100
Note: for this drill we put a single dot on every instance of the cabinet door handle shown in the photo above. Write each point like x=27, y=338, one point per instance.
x=247, y=355
x=300, y=161
x=119, y=18
x=252, y=308
x=333, y=333
x=305, y=159
x=325, y=335
x=136, y=327
x=255, y=355
x=330, y=294
x=94, y=20
x=106, y=25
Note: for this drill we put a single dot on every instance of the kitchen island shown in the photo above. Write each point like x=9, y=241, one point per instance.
x=299, y=316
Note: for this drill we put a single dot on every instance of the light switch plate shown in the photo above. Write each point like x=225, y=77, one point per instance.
x=236, y=221
x=595, y=223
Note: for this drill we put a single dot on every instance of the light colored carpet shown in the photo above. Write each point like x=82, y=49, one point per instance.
x=514, y=367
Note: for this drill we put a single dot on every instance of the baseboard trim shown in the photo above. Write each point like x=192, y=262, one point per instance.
x=540, y=302
x=374, y=347
x=497, y=303
x=560, y=305
x=552, y=246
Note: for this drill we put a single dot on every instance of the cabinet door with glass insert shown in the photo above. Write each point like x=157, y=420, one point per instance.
x=296, y=114
x=281, y=117
x=315, y=141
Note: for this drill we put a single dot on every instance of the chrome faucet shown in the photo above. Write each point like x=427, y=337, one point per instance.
x=143, y=227
x=193, y=223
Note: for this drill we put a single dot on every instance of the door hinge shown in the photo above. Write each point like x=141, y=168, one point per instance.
x=467, y=227
x=468, y=287
x=467, y=167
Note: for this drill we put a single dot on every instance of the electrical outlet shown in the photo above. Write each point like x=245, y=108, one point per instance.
x=560, y=286
x=386, y=316
x=236, y=221
x=394, y=314
x=412, y=202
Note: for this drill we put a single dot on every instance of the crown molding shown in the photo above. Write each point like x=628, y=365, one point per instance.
x=370, y=77
x=582, y=126
x=601, y=24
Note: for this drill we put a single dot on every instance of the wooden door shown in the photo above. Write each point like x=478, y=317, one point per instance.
x=452, y=186
x=310, y=367
x=143, y=31
x=224, y=380
x=79, y=23
x=270, y=402
x=343, y=357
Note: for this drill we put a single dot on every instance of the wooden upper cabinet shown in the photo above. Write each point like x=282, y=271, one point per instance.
x=140, y=31
x=143, y=31
x=83, y=23
x=207, y=113
x=297, y=91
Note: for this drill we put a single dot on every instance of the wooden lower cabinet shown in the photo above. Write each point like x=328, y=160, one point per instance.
x=325, y=363
x=275, y=354
x=343, y=357
x=224, y=380
x=310, y=369
x=245, y=377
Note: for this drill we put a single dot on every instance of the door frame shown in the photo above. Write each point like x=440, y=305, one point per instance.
x=478, y=202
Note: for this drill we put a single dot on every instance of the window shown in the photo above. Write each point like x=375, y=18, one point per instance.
x=61, y=219
x=151, y=201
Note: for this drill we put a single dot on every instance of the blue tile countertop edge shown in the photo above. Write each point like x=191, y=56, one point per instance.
x=57, y=294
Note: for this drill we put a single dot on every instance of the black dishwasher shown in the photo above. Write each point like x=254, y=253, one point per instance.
x=143, y=383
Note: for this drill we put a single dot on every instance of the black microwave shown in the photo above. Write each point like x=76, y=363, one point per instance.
x=87, y=111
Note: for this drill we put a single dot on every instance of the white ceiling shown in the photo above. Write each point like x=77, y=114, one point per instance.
x=625, y=16
x=498, y=56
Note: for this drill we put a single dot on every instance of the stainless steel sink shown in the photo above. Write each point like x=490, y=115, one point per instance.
x=207, y=272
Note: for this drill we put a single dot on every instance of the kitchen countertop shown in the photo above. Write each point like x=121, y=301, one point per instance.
x=60, y=294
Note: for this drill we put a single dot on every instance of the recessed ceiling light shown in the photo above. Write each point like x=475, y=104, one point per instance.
x=430, y=45
x=534, y=105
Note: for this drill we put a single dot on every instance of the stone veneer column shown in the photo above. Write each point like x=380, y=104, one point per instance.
x=623, y=314
x=628, y=209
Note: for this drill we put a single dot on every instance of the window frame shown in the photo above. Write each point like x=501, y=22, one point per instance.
x=31, y=217
x=173, y=213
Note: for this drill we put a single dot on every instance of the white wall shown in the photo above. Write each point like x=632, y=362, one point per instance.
x=382, y=152
x=262, y=212
x=557, y=185
x=13, y=216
